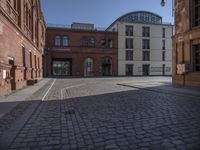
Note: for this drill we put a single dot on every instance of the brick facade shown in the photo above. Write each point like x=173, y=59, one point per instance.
x=22, y=36
x=187, y=36
x=78, y=50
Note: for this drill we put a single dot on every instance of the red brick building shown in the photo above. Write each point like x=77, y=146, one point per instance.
x=81, y=51
x=22, y=40
x=186, y=43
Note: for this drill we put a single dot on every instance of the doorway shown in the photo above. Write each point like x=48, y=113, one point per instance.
x=146, y=70
x=61, y=68
x=107, y=66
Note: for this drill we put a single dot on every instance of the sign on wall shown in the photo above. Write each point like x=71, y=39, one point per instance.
x=182, y=68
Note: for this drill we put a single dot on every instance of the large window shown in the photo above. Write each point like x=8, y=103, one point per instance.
x=129, y=30
x=129, y=43
x=146, y=55
x=146, y=31
x=65, y=41
x=61, y=67
x=146, y=44
x=129, y=55
x=58, y=41
x=197, y=57
x=196, y=12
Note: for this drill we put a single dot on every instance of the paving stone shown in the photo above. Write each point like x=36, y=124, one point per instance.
x=108, y=116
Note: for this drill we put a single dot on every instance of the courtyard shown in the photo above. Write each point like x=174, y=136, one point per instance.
x=104, y=113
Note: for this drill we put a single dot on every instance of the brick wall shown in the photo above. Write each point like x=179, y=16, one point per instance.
x=77, y=53
x=13, y=37
x=185, y=37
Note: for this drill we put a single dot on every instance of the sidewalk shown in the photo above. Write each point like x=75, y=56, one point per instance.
x=164, y=87
x=7, y=103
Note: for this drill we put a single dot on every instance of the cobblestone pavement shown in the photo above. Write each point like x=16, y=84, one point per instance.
x=96, y=113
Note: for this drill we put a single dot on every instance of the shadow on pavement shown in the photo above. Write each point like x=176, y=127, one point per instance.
x=122, y=120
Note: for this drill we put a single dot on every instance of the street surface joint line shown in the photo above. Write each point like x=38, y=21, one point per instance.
x=48, y=90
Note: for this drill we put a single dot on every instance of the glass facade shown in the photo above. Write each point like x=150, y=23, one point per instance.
x=61, y=68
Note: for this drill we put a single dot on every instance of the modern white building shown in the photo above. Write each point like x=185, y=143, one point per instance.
x=144, y=44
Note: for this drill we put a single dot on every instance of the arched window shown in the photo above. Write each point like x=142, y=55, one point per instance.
x=65, y=41
x=88, y=67
x=57, y=40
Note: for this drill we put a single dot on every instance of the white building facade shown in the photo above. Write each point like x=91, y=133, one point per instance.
x=144, y=44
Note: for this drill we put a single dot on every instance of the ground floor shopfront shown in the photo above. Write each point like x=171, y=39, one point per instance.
x=144, y=68
x=80, y=65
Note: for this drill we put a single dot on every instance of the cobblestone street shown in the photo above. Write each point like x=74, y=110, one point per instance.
x=98, y=114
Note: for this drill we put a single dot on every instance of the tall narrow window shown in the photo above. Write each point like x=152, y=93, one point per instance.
x=146, y=55
x=30, y=53
x=35, y=61
x=23, y=56
x=163, y=56
x=163, y=44
x=110, y=43
x=163, y=32
x=196, y=13
x=58, y=41
x=129, y=30
x=129, y=55
x=196, y=57
x=129, y=43
x=38, y=62
x=65, y=41
x=146, y=44
x=146, y=31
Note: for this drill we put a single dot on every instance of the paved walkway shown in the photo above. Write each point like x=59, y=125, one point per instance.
x=99, y=114
x=16, y=108
x=7, y=103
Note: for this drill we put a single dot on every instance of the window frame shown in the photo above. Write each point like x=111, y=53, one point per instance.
x=146, y=31
x=146, y=57
x=128, y=32
x=129, y=55
x=55, y=40
x=65, y=39
x=129, y=43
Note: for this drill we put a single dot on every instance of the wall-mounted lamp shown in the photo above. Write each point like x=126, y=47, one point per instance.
x=162, y=3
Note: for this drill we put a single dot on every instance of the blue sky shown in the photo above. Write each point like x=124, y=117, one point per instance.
x=100, y=12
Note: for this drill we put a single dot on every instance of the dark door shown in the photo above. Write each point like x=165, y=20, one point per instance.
x=146, y=70
x=107, y=66
x=129, y=69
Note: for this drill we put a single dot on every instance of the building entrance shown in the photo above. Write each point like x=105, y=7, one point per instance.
x=61, y=68
x=107, y=66
x=146, y=70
